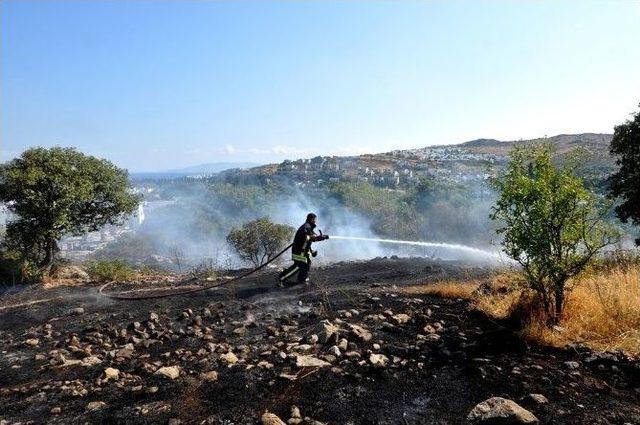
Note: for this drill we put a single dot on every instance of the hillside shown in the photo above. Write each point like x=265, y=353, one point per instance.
x=464, y=162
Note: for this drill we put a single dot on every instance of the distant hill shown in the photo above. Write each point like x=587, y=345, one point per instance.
x=195, y=170
x=460, y=163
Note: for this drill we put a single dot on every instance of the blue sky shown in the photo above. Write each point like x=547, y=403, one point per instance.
x=157, y=85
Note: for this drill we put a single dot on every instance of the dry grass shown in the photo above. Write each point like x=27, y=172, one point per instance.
x=602, y=311
x=445, y=289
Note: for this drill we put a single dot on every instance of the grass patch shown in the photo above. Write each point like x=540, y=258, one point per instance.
x=602, y=311
x=110, y=270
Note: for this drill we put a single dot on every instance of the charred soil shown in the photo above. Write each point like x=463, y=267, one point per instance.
x=351, y=347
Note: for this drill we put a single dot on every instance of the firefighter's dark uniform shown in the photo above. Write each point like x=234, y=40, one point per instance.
x=301, y=253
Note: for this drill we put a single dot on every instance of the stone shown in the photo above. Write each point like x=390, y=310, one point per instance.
x=210, y=376
x=343, y=344
x=229, y=357
x=498, y=410
x=170, y=372
x=271, y=419
x=378, y=360
x=75, y=311
x=325, y=330
x=111, y=373
x=538, y=398
x=310, y=361
x=572, y=365
x=295, y=413
x=96, y=405
x=32, y=342
x=401, y=319
x=56, y=411
x=334, y=351
x=360, y=333
x=153, y=317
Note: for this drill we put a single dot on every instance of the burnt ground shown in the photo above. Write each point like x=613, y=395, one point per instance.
x=441, y=358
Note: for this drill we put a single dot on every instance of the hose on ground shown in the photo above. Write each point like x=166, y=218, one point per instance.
x=131, y=295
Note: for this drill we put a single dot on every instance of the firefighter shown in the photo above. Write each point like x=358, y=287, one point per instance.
x=301, y=251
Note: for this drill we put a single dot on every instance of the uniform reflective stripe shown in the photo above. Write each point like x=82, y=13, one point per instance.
x=299, y=257
x=288, y=275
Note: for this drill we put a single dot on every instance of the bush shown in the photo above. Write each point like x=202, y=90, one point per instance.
x=551, y=224
x=110, y=270
x=259, y=240
x=15, y=269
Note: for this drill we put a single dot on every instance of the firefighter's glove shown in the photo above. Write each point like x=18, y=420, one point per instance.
x=314, y=253
x=324, y=237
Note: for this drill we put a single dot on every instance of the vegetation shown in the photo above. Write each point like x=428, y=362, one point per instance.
x=259, y=240
x=56, y=192
x=625, y=183
x=602, y=311
x=550, y=223
x=110, y=271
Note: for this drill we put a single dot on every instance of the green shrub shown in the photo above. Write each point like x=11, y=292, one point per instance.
x=110, y=270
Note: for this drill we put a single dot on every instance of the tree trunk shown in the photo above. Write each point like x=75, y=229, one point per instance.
x=559, y=306
x=51, y=249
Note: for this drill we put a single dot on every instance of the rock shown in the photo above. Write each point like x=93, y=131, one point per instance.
x=498, y=410
x=32, y=342
x=401, y=319
x=360, y=333
x=170, y=372
x=335, y=351
x=271, y=419
x=210, y=376
x=572, y=365
x=56, y=411
x=111, y=373
x=538, y=398
x=229, y=358
x=378, y=360
x=96, y=405
x=310, y=361
x=295, y=413
x=343, y=344
x=91, y=361
x=325, y=330
x=153, y=317
x=75, y=311
x=313, y=339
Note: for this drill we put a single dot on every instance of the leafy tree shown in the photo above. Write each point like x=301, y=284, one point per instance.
x=60, y=191
x=550, y=222
x=259, y=240
x=625, y=183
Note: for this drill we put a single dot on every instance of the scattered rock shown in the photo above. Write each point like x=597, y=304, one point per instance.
x=334, y=351
x=378, y=360
x=498, y=410
x=75, y=311
x=210, y=376
x=572, y=365
x=170, y=372
x=96, y=405
x=310, y=361
x=56, y=411
x=401, y=319
x=538, y=398
x=111, y=373
x=325, y=331
x=271, y=419
x=68, y=272
x=360, y=333
x=32, y=342
x=229, y=358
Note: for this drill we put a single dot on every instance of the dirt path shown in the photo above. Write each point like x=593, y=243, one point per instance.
x=441, y=360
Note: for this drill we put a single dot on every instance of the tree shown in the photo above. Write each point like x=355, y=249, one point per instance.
x=550, y=223
x=625, y=183
x=57, y=192
x=259, y=240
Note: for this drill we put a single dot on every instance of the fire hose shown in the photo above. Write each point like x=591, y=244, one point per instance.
x=130, y=295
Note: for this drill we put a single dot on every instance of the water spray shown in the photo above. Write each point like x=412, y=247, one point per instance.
x=456, y=247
